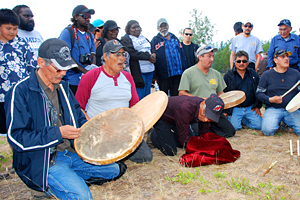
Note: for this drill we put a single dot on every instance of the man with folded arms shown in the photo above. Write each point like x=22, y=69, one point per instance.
x=245, y=79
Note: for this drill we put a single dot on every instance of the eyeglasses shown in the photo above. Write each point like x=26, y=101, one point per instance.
x=57, y=70
x=124, y=54
x=250, y=26
x=84, y=16
x=207, y=48
x=239, y=61
x=188, y=34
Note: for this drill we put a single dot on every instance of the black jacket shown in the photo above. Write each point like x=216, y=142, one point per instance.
x=229, y=80
x=134, y=64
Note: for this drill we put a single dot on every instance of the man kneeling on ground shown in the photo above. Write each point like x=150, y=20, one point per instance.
x=173, y=128
x=272, y=85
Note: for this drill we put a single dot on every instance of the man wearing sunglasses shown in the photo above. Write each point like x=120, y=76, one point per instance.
x=43, y=119
x=240, y=77
x=288, y=41
x=201, y=80
x=189, y=47
x=82, y=45
x=109, y=87
x=249, y=43
x=26, y=28
x=272, y=85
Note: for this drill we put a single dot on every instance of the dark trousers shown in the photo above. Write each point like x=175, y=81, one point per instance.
x=165, y=138
x=223, y=128
x=2, y=118
x=169, y=84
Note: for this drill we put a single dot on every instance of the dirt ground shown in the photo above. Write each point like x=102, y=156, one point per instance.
x=242, y=179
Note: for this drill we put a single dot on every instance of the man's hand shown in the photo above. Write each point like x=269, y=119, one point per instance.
x=275, y=99
x=226, y=115
x=69, y=132
x=257, y=112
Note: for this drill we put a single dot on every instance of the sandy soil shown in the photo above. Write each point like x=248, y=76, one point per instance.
x=149, y=181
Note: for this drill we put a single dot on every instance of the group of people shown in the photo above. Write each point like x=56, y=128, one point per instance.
x=49, y=89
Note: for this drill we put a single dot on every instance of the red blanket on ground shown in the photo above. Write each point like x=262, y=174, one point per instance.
x=208, y=149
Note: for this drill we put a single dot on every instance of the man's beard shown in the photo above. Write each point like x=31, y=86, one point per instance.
x=247, y=33
x=29, y=26
x=164, y=32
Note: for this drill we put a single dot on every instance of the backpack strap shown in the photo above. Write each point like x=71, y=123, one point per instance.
x=73, y=35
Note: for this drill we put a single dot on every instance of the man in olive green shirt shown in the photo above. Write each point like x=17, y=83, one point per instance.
x=201, y=80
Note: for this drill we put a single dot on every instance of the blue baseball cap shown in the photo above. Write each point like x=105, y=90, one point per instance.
x=98, y=23
x=285, y=22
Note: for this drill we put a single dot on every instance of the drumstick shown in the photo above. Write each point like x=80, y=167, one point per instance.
x=291, y=89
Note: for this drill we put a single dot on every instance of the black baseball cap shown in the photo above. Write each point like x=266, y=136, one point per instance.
x=82, y=9
x=58, y=52
x=113, y=46
x=285, y=22
x=281, y=52
x=214, y=107
x=92, y=28
x=110, y=25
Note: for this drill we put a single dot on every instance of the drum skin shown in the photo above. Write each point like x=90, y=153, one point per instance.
x=233, y=98
x=294, y=104
x=110, y=136
x=151, y=108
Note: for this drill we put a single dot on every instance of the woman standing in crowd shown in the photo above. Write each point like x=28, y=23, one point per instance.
x=141, y=59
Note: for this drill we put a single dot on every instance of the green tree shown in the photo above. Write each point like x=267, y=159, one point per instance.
x=266, y=45
x=221, y=58
x=202, y=28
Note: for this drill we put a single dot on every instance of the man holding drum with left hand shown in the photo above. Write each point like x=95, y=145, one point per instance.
x=109, y=87
x=272, y=85
x=43, y=119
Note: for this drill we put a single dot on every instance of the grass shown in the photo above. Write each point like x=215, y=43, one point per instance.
x=165, y=178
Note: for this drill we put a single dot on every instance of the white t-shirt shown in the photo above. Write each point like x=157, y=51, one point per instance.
x=33, y=38
x=141, y=44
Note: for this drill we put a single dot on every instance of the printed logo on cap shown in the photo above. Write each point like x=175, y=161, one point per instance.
x=217, y=108
x=85, y=6
x=64, y=53
x=116, y=42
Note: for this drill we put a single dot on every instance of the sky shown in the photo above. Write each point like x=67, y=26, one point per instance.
x=51, y=17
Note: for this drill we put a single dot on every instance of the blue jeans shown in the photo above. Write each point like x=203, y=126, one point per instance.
x=142, y=92
x=245, y=116
x=273, y=116
x=66, y=177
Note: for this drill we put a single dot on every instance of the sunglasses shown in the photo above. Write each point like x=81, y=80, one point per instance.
x=207, y=48
x=85, y=16
x=239, y=61
x=188, y=34
x=250, y=26
x=57, y=70
x=119, y=54
x=280, y=52
x=100, y=27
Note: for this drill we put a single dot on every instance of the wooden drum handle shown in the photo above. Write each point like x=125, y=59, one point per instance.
x=291, y=89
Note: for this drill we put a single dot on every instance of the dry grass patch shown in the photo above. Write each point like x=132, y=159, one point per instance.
x=164, y=178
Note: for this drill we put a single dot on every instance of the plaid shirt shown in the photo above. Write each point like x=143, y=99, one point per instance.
x=16, y=61
x=173, y=56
